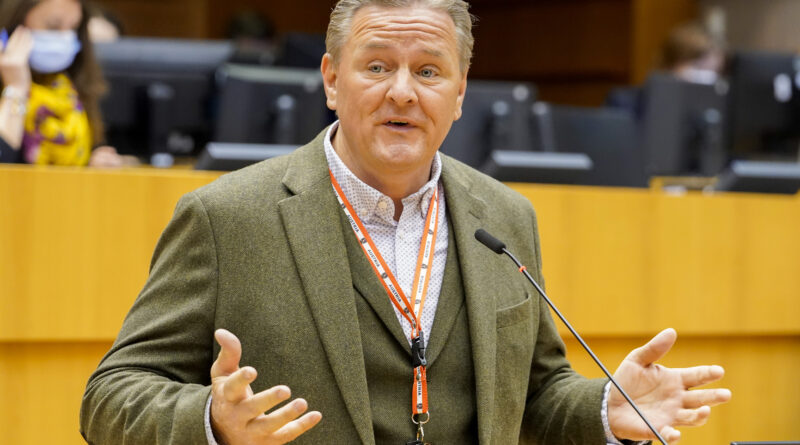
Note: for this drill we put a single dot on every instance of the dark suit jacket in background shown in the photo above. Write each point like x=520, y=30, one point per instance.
x=261, y=252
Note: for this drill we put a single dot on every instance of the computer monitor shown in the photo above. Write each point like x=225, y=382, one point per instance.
x=760, y=177
x=494, y=117
x=270, y=105
x=225, y=156
x=608, y=136
x=301, y=50
x=161, y=96
x=764, y=105
x=683, y=127
x=538, y=167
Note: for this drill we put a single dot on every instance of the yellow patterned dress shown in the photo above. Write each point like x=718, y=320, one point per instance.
x=57, y=129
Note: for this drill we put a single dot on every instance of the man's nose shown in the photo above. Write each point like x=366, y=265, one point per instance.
x=402, y=89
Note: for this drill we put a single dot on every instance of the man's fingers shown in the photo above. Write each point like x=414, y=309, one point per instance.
x=235, y=388
x=295, y=428
x=692, y=417
x=656, y=348
x=229, y=355
x=670, y=434
x=701, y=375
x=264, y=401
x=705, y=397
x=272, y=422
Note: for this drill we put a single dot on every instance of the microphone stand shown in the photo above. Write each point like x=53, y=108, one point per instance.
x=499, y=247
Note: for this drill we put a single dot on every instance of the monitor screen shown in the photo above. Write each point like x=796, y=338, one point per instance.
x=270, y=105
x=683, y=127
x=161, y=95
x=608, y=136
x=538, y=167
x=764, y=105
x=760, y=177
x=494, y=117
x=226, y=156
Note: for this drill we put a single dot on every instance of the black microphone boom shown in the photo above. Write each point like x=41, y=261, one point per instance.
x=497, y=246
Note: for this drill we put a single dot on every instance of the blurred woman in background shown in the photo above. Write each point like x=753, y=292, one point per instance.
x=691, y=54
x=51, y=85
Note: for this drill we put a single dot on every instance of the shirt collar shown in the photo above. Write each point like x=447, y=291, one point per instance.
x=369, y=203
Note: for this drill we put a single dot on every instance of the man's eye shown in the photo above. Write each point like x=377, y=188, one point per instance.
x=376, y=69
x=427, y=72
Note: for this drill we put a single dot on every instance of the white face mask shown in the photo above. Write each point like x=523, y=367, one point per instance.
x=699, y=75
x=53, y=51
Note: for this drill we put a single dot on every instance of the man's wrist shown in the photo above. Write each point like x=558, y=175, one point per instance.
x=212, y=440
x=611, y=439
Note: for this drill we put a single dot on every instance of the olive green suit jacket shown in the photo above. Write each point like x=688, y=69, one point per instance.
x=261, y=252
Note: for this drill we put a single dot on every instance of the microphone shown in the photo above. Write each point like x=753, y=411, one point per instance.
x=498, y=247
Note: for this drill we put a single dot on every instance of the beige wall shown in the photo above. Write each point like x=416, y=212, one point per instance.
x=761, y=24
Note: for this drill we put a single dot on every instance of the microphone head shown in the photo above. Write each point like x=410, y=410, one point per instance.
x=489, y=241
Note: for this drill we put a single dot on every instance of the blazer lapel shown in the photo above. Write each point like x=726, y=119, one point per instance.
x=466, y=212
x=369, y=287
x=312, y=224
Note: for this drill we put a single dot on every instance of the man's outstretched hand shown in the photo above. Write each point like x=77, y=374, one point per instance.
x=238, y=416
x=662, y=394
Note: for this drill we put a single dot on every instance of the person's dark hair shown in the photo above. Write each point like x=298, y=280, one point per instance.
x=685, y=44
x=84, y=72
x=97, y=10
x=252, y=25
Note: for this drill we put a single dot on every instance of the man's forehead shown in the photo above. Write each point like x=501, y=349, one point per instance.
x=378, y=44
x=391, y=23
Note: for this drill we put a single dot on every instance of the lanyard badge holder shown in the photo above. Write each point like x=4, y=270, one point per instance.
x=412, y=313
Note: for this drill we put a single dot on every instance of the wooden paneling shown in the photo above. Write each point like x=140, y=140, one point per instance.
x=297, y=15
x=89, y=233
x=622, y=264
x=627, y=261
x=546, y=39
x=162, y=18
x=43, y=387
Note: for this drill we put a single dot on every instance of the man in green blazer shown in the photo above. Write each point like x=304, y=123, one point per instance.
x=274, y=260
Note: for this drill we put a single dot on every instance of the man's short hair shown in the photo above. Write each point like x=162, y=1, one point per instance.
x=458, y=10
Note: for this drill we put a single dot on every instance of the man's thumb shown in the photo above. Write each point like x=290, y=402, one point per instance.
x=229, y=355
x=655, y=349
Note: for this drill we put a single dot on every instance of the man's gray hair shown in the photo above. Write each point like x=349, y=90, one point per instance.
x=458, y=10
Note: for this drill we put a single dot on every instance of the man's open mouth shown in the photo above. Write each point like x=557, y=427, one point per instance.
x=397, y=123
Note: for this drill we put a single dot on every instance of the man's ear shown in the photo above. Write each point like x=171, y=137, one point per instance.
x=328, y=68
x=462, y=90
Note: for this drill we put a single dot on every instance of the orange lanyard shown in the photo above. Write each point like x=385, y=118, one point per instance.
x=412, y=313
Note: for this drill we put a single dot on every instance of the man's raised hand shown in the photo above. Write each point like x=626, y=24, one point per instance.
x=663, y=394
x=238, y=416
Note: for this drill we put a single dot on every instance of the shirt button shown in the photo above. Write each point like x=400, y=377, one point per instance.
x=382, y=205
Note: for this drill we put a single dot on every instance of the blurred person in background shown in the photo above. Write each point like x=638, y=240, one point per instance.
x=51, y=85
x=254, y=36
x=104, y=26
x=690, y=53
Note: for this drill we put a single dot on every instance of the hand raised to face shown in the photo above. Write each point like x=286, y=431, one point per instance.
x=238, y=416
x=14, y=69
